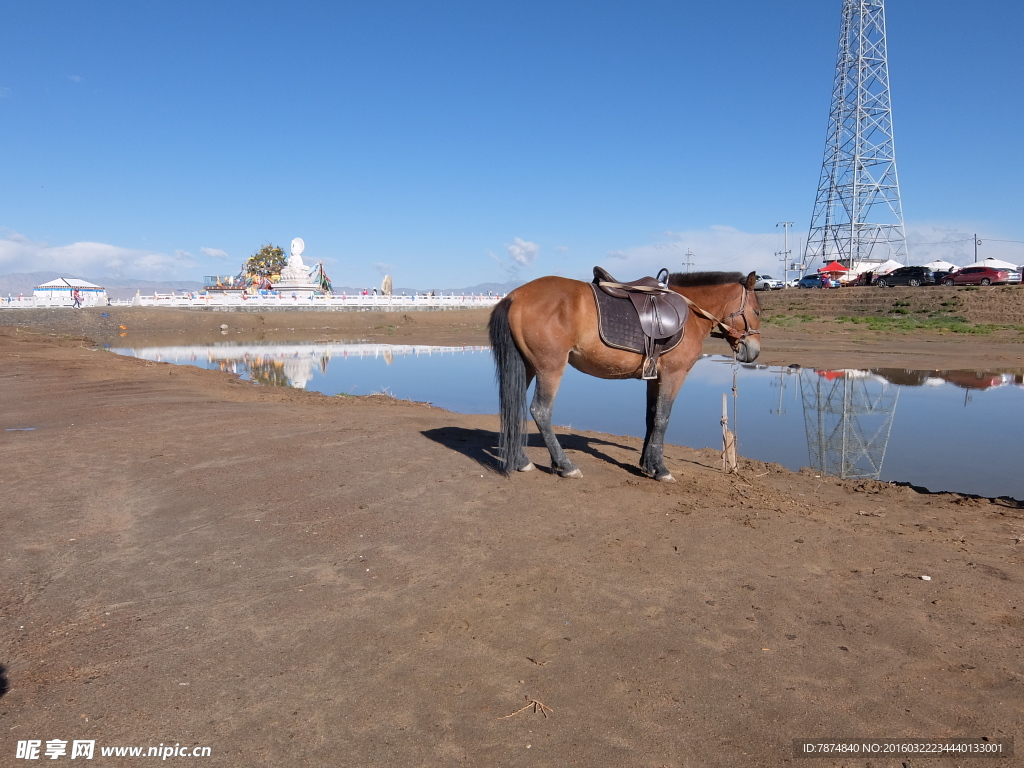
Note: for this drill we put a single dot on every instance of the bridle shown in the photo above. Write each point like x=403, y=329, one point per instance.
x=725, y=329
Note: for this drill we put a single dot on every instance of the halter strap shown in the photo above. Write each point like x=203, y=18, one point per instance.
x=727, y=329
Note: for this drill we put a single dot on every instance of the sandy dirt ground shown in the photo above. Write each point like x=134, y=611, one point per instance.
x=292, y=579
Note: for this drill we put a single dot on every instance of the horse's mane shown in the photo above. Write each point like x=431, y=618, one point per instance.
x=688, y=279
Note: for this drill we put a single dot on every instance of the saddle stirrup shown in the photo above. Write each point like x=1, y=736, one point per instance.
x=649, y=370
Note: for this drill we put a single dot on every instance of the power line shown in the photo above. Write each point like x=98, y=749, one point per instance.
x=947, y=242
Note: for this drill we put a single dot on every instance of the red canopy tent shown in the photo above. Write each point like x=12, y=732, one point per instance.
x=831, y=375
x=835, y=266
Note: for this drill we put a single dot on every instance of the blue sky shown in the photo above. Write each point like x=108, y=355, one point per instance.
x=452, y=143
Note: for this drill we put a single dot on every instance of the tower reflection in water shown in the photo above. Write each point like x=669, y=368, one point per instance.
x=848, y=414
x=848, y=418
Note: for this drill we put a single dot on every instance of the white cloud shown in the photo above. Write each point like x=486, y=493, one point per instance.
x=382, y=268
x=523, y=252
x=214, y=253
x=86, y=259
x=75, y=78
x=718, y=248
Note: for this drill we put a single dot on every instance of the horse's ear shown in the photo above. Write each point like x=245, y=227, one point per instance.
x=751, y=279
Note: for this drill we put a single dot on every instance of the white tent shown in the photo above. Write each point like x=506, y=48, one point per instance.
x=995, y=264
x=940, y=266
x=886, y=267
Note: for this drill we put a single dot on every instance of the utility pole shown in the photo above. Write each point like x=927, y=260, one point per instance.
x=785, y=254
x=689, y=260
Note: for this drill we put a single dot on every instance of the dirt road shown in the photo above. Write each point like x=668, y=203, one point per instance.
x=293, y=579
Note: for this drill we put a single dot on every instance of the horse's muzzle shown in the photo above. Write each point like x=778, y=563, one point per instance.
x=747, y=349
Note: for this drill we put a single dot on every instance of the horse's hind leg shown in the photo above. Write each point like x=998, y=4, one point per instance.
x=541, y=407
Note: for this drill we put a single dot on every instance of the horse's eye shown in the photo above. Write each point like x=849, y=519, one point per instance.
x=757, y=312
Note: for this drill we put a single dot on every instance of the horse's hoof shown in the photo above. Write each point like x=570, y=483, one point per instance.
x=528, y=468
x=666, y=478
x=574, y=473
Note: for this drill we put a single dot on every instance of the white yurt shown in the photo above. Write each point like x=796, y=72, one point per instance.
x=63, y=288
x=995, y=264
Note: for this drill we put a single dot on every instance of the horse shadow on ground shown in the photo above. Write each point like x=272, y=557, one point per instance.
x=480, y=446
x=4, y=687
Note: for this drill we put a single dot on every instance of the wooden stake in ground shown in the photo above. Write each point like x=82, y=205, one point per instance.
x=729, y=465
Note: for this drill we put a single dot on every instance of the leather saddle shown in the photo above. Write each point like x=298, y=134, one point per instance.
x=642, y=316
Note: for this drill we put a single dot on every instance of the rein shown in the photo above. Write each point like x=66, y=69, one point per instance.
x=652, y=289
x=727, y=330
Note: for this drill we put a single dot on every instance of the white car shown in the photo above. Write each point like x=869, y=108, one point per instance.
x=767, y=283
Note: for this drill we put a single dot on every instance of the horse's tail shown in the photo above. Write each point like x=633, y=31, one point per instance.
x=510, y=372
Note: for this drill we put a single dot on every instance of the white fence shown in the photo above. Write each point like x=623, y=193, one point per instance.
x=280, y=301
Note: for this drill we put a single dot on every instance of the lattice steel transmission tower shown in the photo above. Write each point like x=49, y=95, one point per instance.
x=857, y=212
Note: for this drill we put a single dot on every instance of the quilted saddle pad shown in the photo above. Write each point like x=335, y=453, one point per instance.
x=620, y=328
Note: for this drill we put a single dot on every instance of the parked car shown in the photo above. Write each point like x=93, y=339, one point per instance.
x=912, y=276
x=977, y=276
x=767, y=283
x=817, y=281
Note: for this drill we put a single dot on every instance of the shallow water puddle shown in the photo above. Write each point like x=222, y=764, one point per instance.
x=950, y=431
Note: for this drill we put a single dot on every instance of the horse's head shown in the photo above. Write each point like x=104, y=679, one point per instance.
x=742, y=328
x=732, y=298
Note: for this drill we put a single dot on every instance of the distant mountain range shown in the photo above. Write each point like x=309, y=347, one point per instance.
x=22, y=283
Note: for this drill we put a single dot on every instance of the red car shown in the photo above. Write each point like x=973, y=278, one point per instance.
x=976, y=276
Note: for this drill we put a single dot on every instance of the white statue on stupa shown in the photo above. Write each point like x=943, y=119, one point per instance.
x=295, y=279
x=295, y=271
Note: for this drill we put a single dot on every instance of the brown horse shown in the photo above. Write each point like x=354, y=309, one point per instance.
x=551, y=321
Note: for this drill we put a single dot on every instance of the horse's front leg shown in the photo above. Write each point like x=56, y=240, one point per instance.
x=659, y=407
x=541, y=408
